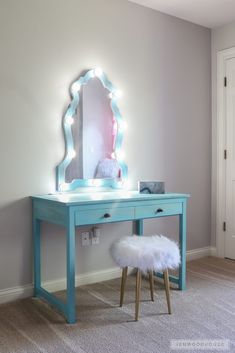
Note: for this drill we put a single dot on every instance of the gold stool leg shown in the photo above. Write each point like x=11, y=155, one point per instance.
x=123, y=283
x=151, y=282
x=167, y=289
x=137, y=293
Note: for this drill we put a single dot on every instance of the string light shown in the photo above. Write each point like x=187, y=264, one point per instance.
x=122, y=125
x=69, y=120
x=98, y=72
x=118, y=93
x=72, y=154
x=120, y=155
x=76, y=86
x=115, y=94
x=118, y=128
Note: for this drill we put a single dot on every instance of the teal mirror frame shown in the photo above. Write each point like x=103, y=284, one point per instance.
x=117, y=183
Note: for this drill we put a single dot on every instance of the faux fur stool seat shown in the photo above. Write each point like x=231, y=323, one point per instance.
x=147, y=254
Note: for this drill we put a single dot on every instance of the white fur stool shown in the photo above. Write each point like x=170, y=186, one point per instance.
x=147, y=254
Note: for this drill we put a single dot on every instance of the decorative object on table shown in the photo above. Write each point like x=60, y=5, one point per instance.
x=108, y=168
x=147, y=254
x=151, y=187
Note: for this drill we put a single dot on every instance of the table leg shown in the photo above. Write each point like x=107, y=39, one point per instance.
x=70, y=248
x=37, y=255
x=139, y=227
x=182, y=243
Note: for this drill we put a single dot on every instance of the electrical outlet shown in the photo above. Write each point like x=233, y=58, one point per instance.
x=95, y=239
x=96, y=232
x=85, y=238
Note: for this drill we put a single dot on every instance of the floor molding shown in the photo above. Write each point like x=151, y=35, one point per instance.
x=20, y=292
x=201, y=252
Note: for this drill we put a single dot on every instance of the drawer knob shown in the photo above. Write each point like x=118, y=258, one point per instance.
x=159, y=210
x=107, y=215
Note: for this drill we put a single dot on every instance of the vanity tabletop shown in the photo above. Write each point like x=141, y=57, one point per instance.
x=107, y=196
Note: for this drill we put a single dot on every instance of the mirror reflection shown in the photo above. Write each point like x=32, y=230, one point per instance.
x=93, y=134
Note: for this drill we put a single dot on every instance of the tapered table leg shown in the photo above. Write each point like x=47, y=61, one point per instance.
x=123, y=284
x=37, y=255
x=167, y=289
x=137, y=294
x=70, y=250
x=151, y=282
x=182, y=245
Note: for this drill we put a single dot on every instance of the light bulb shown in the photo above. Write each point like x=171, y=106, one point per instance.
x=115, y=94
x=122, y=125
x=98, y=72
x=76, y=86
x=120, y=155
x=69, y=120
x=72, y=154
x=118, y=93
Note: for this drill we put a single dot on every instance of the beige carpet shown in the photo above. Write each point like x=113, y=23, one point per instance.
x=205, y=311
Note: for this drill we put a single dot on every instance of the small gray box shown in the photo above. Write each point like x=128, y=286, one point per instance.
x=151, y=187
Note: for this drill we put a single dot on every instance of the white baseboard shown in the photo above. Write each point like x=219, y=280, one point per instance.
x=20, y=292
x=10, y=294
x=14, y=293
x=83, y=279
x=201, y=252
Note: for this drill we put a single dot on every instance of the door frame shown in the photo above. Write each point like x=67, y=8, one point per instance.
x=222, y=56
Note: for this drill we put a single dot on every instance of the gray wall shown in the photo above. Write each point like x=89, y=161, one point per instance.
x=221, y=38
x=161, y=63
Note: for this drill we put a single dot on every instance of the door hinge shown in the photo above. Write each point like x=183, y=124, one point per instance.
x=225, y=81
x=225, y=154
x=224, y=226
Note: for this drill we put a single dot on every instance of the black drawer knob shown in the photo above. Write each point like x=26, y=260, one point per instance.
x=107, y=215
x=159, y=210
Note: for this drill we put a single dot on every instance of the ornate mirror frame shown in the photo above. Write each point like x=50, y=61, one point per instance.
x=68, y=120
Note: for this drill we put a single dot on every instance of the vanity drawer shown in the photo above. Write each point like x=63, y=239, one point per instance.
x=158, y=210
x=105, y=215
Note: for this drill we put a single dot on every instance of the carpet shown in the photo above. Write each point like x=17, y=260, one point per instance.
x=206, y=310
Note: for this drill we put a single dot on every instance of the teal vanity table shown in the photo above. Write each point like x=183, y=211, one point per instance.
x=76, y=210
x=70, y=208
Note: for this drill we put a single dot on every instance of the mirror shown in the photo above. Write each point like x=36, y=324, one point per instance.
x=93, y=129
x=93, y=134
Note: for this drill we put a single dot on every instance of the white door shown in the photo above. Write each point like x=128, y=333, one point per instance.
x=230, y=159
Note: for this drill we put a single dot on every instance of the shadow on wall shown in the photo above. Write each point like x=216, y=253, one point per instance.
x=16, y=243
